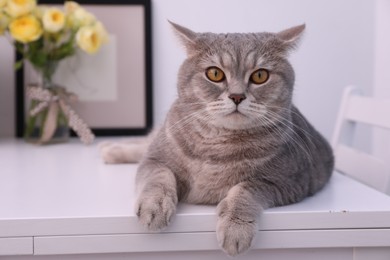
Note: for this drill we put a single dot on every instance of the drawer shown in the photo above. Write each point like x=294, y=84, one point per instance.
x=16, y=246
x=200, y=241
x=92, y=244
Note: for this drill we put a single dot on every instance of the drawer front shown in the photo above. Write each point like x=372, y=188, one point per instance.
x=16, y=246
x=91, y=244
x=166, y=242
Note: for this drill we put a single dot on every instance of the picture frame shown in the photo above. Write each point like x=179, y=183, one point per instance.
x=125, y=107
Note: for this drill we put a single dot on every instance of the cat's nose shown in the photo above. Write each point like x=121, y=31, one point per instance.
x=237, y=98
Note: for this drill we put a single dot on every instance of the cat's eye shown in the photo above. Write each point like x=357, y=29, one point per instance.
x=260, y=76
x=215, y=74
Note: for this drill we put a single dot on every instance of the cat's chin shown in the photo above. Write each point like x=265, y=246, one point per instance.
x=234, y=121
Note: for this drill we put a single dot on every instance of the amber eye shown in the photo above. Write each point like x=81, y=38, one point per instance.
x=215, y=74
x=260, y=76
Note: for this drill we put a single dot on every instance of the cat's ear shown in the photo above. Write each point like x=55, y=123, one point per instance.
x=186, y=36
x=291, y=36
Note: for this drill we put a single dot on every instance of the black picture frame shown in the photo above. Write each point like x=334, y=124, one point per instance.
x=148, y=104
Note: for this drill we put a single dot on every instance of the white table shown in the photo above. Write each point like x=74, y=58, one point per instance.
x=63, y=201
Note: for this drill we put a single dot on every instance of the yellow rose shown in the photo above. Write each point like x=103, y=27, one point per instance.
x=2, y=3
x=90, y=38
x=83, y=18
x=4, y=20
x=53, y=20
x=101, y=31
x=39, y=11
x=25, y=29
x=71, y=7
x=17, y=8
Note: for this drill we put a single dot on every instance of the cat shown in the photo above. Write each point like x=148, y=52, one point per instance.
x=232, y=138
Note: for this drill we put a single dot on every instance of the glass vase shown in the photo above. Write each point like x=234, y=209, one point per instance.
x=46, y=123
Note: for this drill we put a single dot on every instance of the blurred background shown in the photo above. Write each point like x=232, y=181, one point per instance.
x=346, y=42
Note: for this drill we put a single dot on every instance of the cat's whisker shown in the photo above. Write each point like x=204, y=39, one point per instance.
x=183, y=122
x=294, y=125
x=180, y=124
x=221, y=110
x=191, y=103
x=293, y=136
x=284, y=136
x=273, y=120
x=257, y=114
x=278, y=132
x=288, y=110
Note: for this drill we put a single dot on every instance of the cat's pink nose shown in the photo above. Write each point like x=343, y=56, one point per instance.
x=237, y=98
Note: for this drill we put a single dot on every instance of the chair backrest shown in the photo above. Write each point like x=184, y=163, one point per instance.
x=364, y=167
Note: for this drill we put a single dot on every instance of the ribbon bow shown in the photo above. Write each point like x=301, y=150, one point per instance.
x=56, y=101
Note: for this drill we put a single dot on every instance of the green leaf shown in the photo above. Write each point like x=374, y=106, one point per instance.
x=38, y=58
x=19, y=47
x=18, y=64
x=63, y=51
x=36, y=46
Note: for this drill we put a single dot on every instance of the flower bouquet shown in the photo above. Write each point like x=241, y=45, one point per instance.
x=44, y=36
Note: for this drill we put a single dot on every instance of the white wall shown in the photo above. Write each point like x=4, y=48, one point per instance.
x=381, y=138
x=338, y=48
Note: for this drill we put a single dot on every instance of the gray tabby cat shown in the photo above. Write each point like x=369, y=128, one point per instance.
x=232, y=137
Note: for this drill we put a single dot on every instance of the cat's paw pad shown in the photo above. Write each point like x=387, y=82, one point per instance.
x=234, y=233
x=112, y=153
x=154, y=212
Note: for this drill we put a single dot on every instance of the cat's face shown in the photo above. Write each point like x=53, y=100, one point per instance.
x=237, y=81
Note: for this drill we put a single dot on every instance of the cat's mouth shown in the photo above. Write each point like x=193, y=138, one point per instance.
x=236, y=113
x=239, y=110
x=235, y=120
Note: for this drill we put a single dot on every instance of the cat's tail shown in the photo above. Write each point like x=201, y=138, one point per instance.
x=129, y=151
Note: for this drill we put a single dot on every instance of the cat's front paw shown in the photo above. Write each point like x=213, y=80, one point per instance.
x=234, y=233
x=155, y=212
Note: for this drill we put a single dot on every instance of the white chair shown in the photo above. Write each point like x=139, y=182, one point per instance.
x=356, y=108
